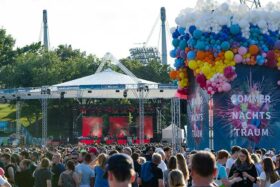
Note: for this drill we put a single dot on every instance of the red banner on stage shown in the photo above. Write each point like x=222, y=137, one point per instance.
x=92, y=126
x=119, y=126
x=148, y=128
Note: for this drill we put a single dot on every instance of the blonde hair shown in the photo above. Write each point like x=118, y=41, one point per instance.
x=142, y=160
x=101, y=160
x=176, y=178
x=182, y=165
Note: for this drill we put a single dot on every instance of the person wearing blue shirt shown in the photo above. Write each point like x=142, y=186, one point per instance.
x=222, y=177
x=99, y=171
x=85, y=172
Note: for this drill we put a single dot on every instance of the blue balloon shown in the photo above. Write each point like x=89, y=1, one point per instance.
x=183, y=44
x=181, y=30
x=225, y=46
x=260, y=60
x=179, y=63
x=175, y=42
x=173, y=53
x=200, y=45
x=192, y=28
x=197, y=34
x=175, y=34
x=191, y=55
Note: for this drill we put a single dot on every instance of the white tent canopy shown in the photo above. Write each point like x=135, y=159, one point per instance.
x=108, y=77
x=167, y=134
x=104, y=84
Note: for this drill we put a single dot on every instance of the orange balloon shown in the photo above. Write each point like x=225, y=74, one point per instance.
x=200, y=55
x=253, y=49
x=173, y=74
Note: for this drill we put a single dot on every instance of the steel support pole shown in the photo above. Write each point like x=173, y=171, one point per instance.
x=211, y=123
x=141, y=115
x=177, y=122
x=44, y=120
x=18, y=125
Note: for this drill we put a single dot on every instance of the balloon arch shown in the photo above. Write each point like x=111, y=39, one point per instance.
x=210, y=43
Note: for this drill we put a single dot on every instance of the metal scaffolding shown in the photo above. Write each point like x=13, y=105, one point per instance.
x=141, y=116
x=211, y=123
x=176, y=123
x=18, y=125
x=159, y=123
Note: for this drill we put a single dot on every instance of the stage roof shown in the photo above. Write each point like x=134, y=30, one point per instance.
x=105, y=84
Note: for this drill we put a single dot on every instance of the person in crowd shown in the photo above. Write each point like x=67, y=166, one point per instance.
x=234, y=154
x=120, y=171
x=42, y=175
x=162, y=164
x=24, y=176
x=24, y=155
x=222, y=177
x=137, y=168
x=257, y=162
x=182, y=165
x=3, y=180
x=34, y=161
x=86, y=174
x=277, y=164
x=151, y=175
x=69, y=178
x=172, y=164
x=57, y=169
x=142, y=160
x=203, y=167
x=244, y=168
x=128, y=151
x=93, y=152
x=176, y=178
x=268, y=176
x=149, y=152
x=10, y=169
x=99, y=171
x=168, y=153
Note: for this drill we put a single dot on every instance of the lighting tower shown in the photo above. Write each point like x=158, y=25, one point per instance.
x=163, y=35
x=46, y=32
x=251, y=3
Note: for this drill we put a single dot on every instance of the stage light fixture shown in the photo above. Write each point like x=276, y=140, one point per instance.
x=89, y=91
x=62, y=95
x=125, y=93
x=29, y=94
x=160, y=90
x=14, y=95
x=117, y=91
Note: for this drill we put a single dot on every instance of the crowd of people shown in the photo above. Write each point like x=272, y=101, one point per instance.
x=150, y=165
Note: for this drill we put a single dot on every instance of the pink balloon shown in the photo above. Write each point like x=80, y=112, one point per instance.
x=242, y=50
x=220, y=89
x=278, y=83
x=238, y=58
x=226, y=87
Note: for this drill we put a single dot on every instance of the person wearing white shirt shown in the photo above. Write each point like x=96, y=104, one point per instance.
x=162, y=164
x=234, y=154
x=268, y=176
x=4, y=183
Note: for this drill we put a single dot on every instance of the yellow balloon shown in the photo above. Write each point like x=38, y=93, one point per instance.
x=229, y=55
x=205, y=69
x=192, y=64
x=182, y=75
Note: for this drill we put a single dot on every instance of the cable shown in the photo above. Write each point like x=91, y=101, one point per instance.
x=152, y=31
x=41, y=31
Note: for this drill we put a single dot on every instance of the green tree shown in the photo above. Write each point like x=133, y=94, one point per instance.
x=7, y=54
